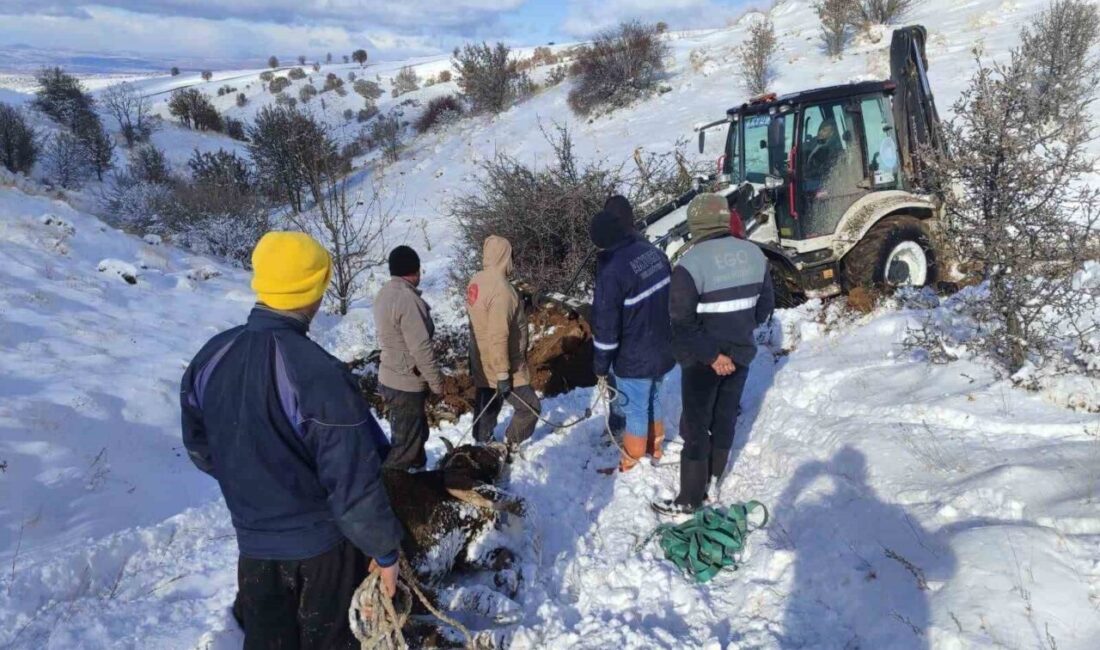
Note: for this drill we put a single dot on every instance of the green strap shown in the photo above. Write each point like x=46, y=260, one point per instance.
x=711, y=540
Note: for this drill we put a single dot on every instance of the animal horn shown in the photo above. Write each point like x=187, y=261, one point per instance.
x=448, y=444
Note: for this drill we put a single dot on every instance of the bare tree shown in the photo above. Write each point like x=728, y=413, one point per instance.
x=65, y=161
x=1023, y=213
x=352, y=223
x=836, y=21
x=405, y=81
x=359, y=56
x=757, y=55
x=385, y=133
x=131, y=110
x=1064, y=69
x=272, y=62
x=488, y=76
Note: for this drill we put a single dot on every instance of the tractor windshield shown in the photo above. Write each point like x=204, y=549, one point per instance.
x=748, y=155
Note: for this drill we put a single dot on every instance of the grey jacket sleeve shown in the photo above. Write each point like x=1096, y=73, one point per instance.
x=414, y=322
x=765, y=304
x=690, y=341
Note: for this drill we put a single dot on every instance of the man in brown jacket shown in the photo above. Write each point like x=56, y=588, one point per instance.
x=498, y=347
x=408, y=368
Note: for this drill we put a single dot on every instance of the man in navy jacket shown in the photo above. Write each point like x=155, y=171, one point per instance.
x=631, y=330
x=297, y=453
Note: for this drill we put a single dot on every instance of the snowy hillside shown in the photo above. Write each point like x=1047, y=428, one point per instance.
x=914, y=506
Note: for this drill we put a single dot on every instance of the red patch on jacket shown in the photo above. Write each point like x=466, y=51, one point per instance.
x=471, y=294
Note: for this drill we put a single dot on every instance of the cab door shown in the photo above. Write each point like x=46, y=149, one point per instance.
x=831, y=164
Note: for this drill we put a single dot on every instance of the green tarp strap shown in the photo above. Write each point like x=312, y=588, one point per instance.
x=710, y=541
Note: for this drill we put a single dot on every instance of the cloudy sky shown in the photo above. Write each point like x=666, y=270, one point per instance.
x=242, y=31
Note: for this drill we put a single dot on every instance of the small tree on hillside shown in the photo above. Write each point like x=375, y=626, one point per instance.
x=97, y=147
x=621, y=65
x=65, y=164
x=405, y=81
x=359, y=56
x=194, y=110
x=757, y=55
x=836, y=19
x=879, y=12
x=131, y=110
x=282, y=141
x=62, y=96
x=174, y=71
x=18, y=141
x=207, y=75
x=1024, y=213
x=488, y=76
x=328, y=57
x=272, y=62
x=301, y=59
x=368, y=89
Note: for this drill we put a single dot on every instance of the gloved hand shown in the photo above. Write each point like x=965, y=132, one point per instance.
x=504, y=387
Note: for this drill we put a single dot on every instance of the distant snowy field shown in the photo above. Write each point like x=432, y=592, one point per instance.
x=914, y=506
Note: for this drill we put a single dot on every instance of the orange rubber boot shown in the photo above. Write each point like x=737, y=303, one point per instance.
x=655, y=441
x=634, y=448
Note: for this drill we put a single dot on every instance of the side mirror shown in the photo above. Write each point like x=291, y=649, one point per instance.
x=702, y=140
x=772, y=182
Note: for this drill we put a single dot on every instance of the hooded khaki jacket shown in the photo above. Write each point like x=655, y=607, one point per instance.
x=405, y=330
x=498, y=347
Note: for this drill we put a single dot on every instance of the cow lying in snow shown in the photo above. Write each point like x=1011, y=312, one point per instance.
x=447, y=513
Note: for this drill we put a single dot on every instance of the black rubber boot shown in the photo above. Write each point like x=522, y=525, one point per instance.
x=693, y=483
x=719, y=458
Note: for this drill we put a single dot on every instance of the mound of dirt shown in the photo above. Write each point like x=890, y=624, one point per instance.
x=560, y=359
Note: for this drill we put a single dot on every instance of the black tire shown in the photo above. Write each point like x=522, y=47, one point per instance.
x=786, y=295
x=865, y=265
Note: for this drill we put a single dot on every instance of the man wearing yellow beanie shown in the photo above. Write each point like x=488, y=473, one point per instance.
x=297, y=453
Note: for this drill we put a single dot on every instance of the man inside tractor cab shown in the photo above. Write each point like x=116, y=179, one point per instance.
x=825, y=148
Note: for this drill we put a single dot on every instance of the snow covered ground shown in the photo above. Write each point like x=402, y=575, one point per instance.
x=914, y=506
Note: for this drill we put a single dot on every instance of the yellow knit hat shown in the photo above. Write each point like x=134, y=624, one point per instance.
x=290, y=270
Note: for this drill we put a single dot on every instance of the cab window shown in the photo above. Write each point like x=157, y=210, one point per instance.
x=882, y=149
x=756, y=148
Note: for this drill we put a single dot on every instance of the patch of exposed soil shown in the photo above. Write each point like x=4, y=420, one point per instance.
x=560, y=359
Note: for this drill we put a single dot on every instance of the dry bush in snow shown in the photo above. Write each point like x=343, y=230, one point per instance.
x=836, y=22
x=440, y=111
x=490, y=79
x=879, y=12
x=1020, y=209
x=385, y=134
x=64, y=161
x=621, y=66
x=18, y=141
x=544, y=213
x=405, y=81
x=757, y=55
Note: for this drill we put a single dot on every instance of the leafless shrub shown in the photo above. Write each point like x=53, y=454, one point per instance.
x=836, y=21
x=550, y=242
x=273, y=61
x=368, y=89
x=296, y=73
x=207, y=75
x=757, y=55
x=306, y=93
x=445, y=76
x=440, y=111
x=131, y=110
x=366, y=113
x=557, y=75
x=1057, y=46
x=18, y=141
x=490, y=79
x=333, y=82
x=285, y=144
x=405, y=81
x=385, y=134
x=1019, y=208
x=278, y=85
x=621, y=66
x=880, y=12
x=65, y=162
x=266, y=76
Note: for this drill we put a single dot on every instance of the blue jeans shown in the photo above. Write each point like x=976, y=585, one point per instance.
x=639, y=402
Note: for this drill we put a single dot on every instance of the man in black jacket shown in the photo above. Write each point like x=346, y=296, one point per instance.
x=721, y=291
x=283, y=428
x=630, y=330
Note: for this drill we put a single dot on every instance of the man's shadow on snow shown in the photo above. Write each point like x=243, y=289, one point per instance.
x=862, y=566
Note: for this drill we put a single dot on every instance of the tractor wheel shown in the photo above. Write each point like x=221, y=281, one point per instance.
x=895, y=252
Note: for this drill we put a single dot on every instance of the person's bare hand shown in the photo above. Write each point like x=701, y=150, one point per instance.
x=388, y=575
x=723, y=366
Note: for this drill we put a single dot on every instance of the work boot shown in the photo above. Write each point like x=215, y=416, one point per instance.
x=655, y=441
x=693, y=483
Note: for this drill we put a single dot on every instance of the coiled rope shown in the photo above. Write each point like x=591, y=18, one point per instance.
x=377, y=621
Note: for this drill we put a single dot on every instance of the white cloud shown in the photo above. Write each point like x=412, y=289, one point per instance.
x=587, y=17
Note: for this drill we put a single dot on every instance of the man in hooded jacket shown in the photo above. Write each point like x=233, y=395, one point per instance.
x=498, y=347
x=721, y=291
